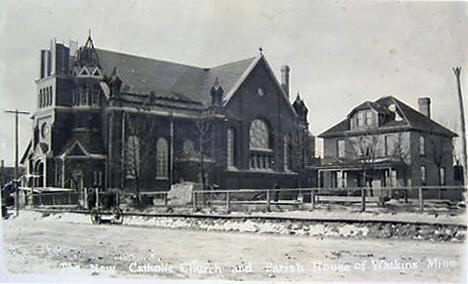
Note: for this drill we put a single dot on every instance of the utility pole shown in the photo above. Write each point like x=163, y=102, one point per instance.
x=457, y=71
x=171, y=158
x=15, y=183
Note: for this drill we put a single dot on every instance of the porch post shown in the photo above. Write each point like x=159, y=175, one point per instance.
x=421, y=201
x=44, y=175
x=63, y=172
x=363, y=199
x=312, y=198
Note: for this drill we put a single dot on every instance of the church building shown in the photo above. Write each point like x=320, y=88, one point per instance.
x=113, y=120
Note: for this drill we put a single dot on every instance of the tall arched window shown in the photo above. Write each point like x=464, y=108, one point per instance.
x=230, y=147
x=161, y=158
x=133, y=157
x=259, y=137
x=84, y=95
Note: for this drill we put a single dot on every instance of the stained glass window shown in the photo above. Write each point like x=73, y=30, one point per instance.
x=259, y=137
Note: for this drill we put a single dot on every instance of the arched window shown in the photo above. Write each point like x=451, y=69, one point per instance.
x=161, y=158
x=133, y=157
x=259, y=137
x=84, y=95
x=230, y=147
x=95, y=95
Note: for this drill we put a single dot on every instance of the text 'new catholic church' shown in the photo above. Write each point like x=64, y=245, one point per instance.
x=113, y=120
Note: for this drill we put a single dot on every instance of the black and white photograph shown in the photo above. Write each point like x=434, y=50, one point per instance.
x=255, y=141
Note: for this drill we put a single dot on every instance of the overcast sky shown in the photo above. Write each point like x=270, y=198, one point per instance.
x=340, y=53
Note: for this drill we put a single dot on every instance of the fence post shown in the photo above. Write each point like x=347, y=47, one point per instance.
x=228, y=202
x=165, y=199
x=421, y=201
x=312, y=198
x=268, y=200
x=53, y=198
x=363, y=199
x=97, y=198
x=194, y=201
x=69, y=198
x=40, y=199
x=85, y=197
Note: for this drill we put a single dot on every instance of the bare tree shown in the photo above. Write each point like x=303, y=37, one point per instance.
x=366, y=145
x=203, y=132
x=138, y=148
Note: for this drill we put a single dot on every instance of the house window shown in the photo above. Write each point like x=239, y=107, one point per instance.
x=442, y=180
x=360, y=119
x=368, y=117
x=423, y=175
x=393, y=178
x=259, y=137
x=161, y=158
x=341, y=148
x=230, y=147
x=133, y=157
x=422, y=145
x=385, y=145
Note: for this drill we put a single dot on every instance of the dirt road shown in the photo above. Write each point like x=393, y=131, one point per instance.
x=36, y=245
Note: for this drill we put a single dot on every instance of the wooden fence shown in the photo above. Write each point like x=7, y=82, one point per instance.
x=361, y=195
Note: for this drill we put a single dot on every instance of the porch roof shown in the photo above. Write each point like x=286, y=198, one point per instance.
x=356, y=166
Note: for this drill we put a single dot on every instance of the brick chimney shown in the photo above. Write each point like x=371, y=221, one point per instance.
x=285, y=78
x=424, y=105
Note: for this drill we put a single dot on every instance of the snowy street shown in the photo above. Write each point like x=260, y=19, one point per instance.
x=33, y=244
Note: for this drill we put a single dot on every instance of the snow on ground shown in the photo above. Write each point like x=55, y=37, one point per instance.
x=70, y=246
x=283, y=227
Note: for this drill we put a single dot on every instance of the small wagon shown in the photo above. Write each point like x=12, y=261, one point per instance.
x=100, y=215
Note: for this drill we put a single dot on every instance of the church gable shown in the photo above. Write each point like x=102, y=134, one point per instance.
x=77, y=150
x=260, y=92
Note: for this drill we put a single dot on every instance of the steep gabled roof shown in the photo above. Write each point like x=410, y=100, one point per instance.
x=170, y=80
x=26, y=152
x=88, y=143
x=412, y=120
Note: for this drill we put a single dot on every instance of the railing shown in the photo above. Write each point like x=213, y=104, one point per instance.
x=362, y=195
x=52, y=199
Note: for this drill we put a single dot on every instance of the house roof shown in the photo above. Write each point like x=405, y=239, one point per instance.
x=412, y=120
x=170, y=80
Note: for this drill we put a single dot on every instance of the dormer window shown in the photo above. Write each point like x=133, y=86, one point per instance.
x=368, y=118
x=360, y=119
